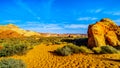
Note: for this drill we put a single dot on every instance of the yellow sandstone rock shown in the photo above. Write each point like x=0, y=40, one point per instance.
x=104, y=32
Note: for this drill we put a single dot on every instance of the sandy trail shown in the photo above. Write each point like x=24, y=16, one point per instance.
x=41, y=57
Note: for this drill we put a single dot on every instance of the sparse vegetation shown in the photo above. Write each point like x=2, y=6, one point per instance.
x=97, y=50
x=19, y=46
x=65, y=51
x=84, y=49
x=71, y=49
x=105, y=50
x=11, y=63
x=12, y=46
x=9, y=50
x=51, y=40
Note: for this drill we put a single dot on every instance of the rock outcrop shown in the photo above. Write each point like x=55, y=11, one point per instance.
x=102, y=33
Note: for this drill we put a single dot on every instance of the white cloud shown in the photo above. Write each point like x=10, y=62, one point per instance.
x=52, y=26
x=87, y=18
x=11, y=21
x=75, y=26
x=117, y=13
x=95, y=10
x=38, y=25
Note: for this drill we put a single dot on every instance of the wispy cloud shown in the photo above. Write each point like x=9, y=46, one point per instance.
x=87, y=18
x=52, y=26
x=95, y=10
x=39, y=25
x=117, y=13
x=76, y=26
x=11, y=21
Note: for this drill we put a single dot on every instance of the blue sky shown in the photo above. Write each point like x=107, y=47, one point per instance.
x=58, y=16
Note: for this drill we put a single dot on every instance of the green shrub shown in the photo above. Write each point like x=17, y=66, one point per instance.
x=65, y=51
x=84, y=49
x=12, y=63
x=74, y=48
x=9, y=50
x=108, y=49
x=105, y=50
x=97, y=50
x=58, y=42
x=12, y=46
x=70, y=49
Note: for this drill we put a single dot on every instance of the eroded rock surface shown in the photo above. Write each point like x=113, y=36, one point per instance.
x=102, y=33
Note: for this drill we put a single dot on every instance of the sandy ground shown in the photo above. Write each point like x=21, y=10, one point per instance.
x=41, y=57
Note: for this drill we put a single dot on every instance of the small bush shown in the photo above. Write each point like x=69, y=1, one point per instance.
x=65, y=51
x=74, y=48
x=97, y=50
x=70, y=49
x=12, y=63
x=109, y=49
x=105, y=50
x=9, y=50
x=58, y=43
x=84, y=49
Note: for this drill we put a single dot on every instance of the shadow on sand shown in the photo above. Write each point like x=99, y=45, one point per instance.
x=110, y=59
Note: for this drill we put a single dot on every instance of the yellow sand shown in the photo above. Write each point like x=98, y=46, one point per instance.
x=41, y=57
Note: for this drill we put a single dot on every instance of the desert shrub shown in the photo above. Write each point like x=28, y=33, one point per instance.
x=51, y=40
x=97, y=50
x=108, y=49
x=12, y=63
x=105, y=50
x=74, y=48
x=71, y=49
x=79, y=49
x=58, y=42
x=12, y=46
x=65, y=51
x=84, y=49
x=27, y=41
x=9, y=50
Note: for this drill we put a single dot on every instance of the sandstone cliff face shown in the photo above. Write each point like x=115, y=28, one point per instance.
x=104, y=32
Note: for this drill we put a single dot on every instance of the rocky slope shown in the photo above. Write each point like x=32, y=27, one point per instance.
x=104, y=32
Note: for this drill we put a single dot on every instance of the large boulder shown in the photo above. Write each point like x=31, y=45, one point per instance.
x=102, y=33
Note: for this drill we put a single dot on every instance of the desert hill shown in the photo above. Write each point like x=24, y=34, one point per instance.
x=12, y=30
